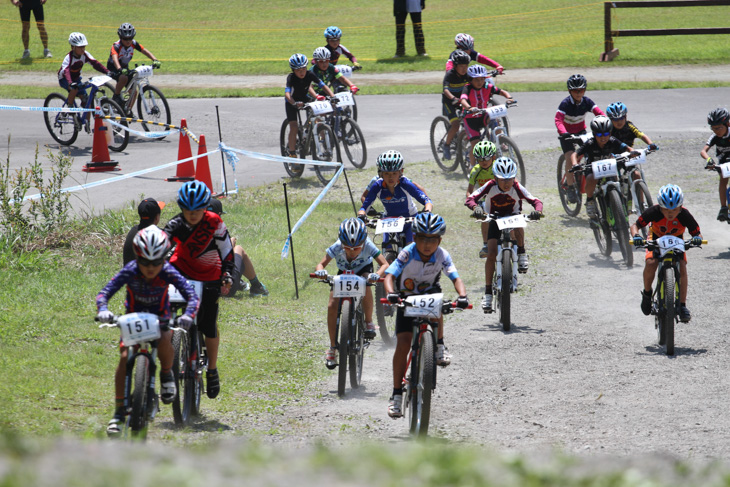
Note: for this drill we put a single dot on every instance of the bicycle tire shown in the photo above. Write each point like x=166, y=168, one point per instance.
x=138, y=415
x=382, y=314
x=463, y=148
x=621, y=227
x=61, y=125
x=572, y=209
x=343, y=346
x=602, y=234
x=506, y=291
x=357, y=354
x=645, y=202
x=178, y=369
x=670, y=309
x=439, y=129
x=120, y=136
x=293, y=170
x=506, y=147
x=423, y=370
x=152, y=106
x=353, y=142
x=196, y=375
x=325, y=148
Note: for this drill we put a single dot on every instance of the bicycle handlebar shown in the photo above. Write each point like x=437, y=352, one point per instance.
x=652, y=244
x=116, y=325
x=446, y=308
x=329, y=279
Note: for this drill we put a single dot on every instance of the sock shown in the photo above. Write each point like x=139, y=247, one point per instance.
x=488, y=290
x=520, y=250
x=440, y=341
x=255, y=281
x=397, y=392
x=119, y=403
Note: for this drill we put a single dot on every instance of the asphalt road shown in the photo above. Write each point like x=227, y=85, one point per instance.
x=389, y=122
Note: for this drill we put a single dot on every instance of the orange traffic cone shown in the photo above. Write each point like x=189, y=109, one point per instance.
x=202, y=172
x=186, y=170
x=100, y=160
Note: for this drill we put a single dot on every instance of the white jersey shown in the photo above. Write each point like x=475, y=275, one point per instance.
x=415, y=276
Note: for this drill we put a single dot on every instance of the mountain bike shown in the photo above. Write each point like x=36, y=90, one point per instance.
x=665, y=301
x=347, y=130
x=393, y=227
x=315, y=140
x=139, y=333
x=64, y=127
x=350, y=289
x=190, y=360
x=723, y=169
x=418, y=385
x=506, y=146
x=504, y=281
x=579, y=184
x=151, y=104
x=635, y=191
x=346, y=70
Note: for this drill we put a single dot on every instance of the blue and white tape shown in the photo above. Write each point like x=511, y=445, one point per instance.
x=46, y=109
x=147, y=135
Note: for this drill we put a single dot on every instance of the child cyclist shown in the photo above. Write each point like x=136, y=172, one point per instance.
x=396, y=192
x=477, y=95
x=416, y=271
x=503, y=197
x=332, y=35
x=485, y=153
x=121, y=55
x=623, y=129
x=719, y=121
x=570, y=120
x=465, y=42
x=353, y=251
x=454, y=81
x=327, y=72
x=69, y=76
x=147, y=279
x=204, y=252
x=668, y=217
x=298, y=86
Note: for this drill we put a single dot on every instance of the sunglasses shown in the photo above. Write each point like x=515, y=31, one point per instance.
x=149, y=263
x=603, y=134
x=127, y=38
x=619, y=118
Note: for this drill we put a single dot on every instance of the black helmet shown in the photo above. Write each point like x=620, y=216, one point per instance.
x=718, y=116
x=601, y=125
x=460, y=57
x=577, y=82
x=126, y=31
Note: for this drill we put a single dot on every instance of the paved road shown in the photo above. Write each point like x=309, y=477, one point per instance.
x=389, y=122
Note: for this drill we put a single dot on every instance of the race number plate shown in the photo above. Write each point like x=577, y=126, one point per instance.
x=725, y=170
x=513, y=221
x=176, y=297
x=143, y=71
x=345, y=99
x=390, y=225
x=604, y=169
x=139, y=327
x=348, y=286
x=345, y=70
x=100, y=80
x=425, y=305
x=640, y=159
x=497, y=111
x=669, y=242
x=320, y=107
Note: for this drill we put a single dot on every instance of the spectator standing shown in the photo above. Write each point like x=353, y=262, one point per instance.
x=26, y=7
x=149, y=214
x=401, y=9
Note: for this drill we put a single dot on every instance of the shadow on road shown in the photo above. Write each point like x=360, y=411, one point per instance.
x=678, y=351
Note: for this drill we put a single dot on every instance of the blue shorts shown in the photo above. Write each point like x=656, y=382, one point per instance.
x=63, y=82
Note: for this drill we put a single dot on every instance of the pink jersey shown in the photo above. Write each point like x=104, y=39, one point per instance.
x=71, y=66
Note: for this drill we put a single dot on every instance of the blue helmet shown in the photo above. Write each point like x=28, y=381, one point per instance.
x=670, y=197
x=298, y=61
x=477, y=71
x=353, y=232
x=193, y=195
x=332, y=32
x=389, y=161
x=429, y=224
x=616, y=110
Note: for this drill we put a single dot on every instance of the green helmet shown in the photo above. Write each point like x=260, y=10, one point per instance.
x=485, y=150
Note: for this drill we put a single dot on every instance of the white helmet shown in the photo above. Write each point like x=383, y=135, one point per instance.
x=77, y=39
x=321, y=53
x=504, y=168
x=151, y=243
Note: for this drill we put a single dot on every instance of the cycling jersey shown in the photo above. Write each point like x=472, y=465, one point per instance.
x=369, y=252
x=299, y=87
x=475, y=56
x=327, y=76
x=660, y=226
x=148, y=297
x=570, y=117
x=203, y=252
x=400, y=201
x=722, y=146
x=479, y=176
x=478, y=98
x=72, y=64
x=414, y=276
x=502, y=203
x=627, y=134
x=592, y=152
x=335, y=54
x=454, y=82
x=123, y=53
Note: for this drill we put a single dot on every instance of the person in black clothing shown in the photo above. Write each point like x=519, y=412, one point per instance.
x=401, y=9
x=26, y=7
x=149, y=214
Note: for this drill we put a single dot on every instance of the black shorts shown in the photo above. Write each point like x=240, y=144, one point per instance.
x=291, y=111
x=566, y=145
x=404, y=324
x=208, y=311
x=493, y=231
x=448, y=110
x=31, y=5
x=236, y=275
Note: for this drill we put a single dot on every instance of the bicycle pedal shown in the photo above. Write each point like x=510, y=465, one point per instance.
x=522, y=271
x=488, y=311
x=331, y=365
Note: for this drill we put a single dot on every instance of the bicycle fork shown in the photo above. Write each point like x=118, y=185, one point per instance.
x=500, y=249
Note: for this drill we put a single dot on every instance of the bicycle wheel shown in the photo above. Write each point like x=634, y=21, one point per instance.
x=325, y=148
x=506, y=147
x=293, y=170
x=669, y=295
x=620, y=226
x=177, y=369
x=572, y=209
x=505, y=292
x=384, y=314
x=439, y=129
x=354, y=143
x=138, y=416
x=644, y=202
x=195, y=377
x=152, y=106
x=602, y=234
x=423, y=373
x=120, y=136
x=463, y=148
x=357, y=355
x=345, y=324
x=61, y=125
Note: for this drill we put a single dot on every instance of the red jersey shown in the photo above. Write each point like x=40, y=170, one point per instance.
x=661, y=226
